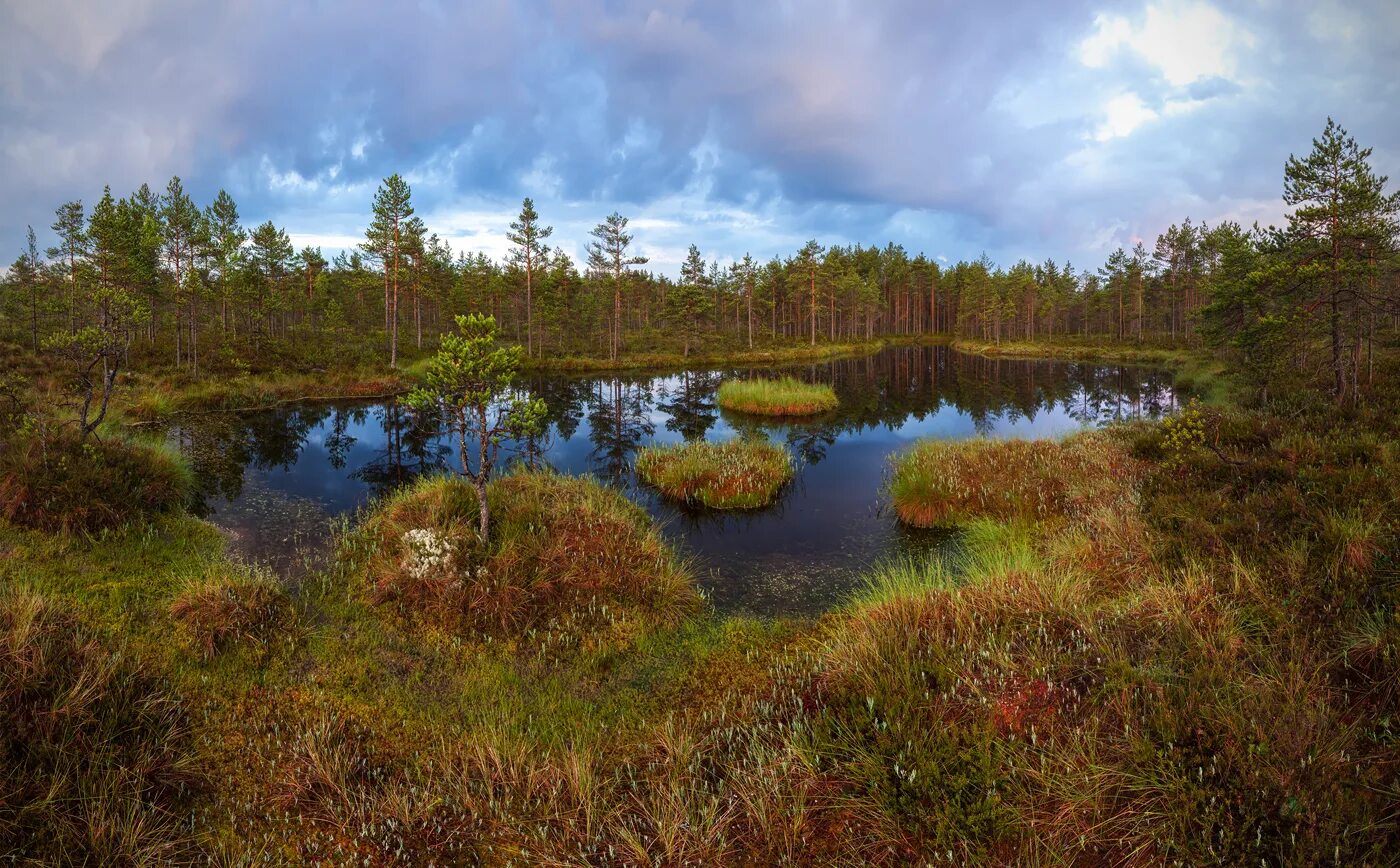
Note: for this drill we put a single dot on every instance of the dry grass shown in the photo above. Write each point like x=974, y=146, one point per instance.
x=220, y=611
x=781, y=397
x=942, y=482
x=62, y=485
x=739, y=474
x=569, y=560
x=94, y=761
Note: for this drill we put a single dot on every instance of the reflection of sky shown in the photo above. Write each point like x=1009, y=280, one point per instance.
x=799, y=555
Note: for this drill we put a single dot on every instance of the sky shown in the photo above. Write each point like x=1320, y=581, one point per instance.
x=1017, y=129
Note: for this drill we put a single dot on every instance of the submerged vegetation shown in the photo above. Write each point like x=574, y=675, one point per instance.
x=739, y=474
x=784, y=396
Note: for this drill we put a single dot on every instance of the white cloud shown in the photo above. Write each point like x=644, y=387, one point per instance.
x=1185, y=40
x=1123, y=114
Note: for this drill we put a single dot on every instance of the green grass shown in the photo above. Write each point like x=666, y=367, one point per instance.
x=781, y=397
x=739, y=474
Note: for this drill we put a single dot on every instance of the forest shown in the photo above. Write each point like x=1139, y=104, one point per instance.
x=408, y=556
x=181, y=287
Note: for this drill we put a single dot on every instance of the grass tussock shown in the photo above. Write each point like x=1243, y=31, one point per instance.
x=785, y=396
x=739, y=474
x=569, y=560
x=943, y=482
x=94, y=759
x=234, y=608
x=61, y=484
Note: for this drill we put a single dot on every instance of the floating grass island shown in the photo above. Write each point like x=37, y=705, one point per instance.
x=781, y=397
x=740, y=474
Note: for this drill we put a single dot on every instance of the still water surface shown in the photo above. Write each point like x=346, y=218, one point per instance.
x=275, y=480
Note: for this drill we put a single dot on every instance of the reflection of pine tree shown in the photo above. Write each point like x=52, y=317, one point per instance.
x=809, y=443
x=412, y=448
x=692, y=407
x=618, y=424
x=564, y=399
x=338, y=441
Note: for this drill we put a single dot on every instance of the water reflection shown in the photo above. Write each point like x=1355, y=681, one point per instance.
x=275, y=478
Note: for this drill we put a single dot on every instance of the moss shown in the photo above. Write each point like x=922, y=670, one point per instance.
x=739, y=474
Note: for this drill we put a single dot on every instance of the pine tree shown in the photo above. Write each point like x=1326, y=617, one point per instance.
x=385, y=239
x=226, y=239
x=607, y=256
x=807, y=261
x=689, y=301
x=178, y=223
x=528, y=237
x=72, y=250
x=1342, y=224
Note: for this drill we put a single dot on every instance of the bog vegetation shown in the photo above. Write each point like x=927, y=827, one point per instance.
x=784, y=396
x=738, y=474
x=1162, y=643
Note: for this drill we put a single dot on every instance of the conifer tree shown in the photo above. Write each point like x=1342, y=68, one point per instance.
x=384, y=239
x=607, y=256
x=72, y=250
x=1343, y=224
x=529, y=236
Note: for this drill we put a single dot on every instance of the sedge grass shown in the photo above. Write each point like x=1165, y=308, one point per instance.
x=940, y=482
x=785, y=396
x=739, y=474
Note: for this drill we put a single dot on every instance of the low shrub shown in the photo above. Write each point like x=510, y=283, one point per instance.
x=569, y=560
x=62, y=483
x=95, y=766
x=944, y=482
x=739, y=474
x=222, y=610
x=782, y=397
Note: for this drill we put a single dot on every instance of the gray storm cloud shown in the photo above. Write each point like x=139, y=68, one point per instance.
x=1017, y=128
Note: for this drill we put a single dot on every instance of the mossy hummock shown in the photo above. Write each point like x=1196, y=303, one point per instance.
x=740, y=474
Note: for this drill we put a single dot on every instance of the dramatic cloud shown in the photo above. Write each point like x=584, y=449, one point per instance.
x=1019, y=129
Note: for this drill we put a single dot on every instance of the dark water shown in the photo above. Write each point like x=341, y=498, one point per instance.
x=274, y=480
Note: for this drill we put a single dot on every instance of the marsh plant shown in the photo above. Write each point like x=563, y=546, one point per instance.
x=784, y=396
x=738, y=474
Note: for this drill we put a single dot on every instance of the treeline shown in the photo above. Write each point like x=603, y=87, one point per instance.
x=195, y=287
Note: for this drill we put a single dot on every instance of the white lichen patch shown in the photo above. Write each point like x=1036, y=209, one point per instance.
x=428, y=553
